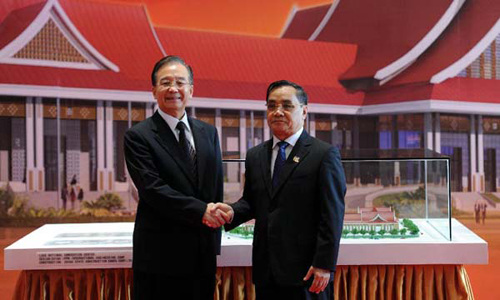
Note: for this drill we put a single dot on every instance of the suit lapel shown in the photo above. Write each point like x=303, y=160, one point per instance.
x=200, y=142
x=265, y=165
x=167, y=140
x=296, y=157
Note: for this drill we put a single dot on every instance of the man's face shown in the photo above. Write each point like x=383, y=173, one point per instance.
x=285, y=114
x=173, y=90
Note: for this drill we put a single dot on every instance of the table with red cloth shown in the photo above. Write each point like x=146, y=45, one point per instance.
x=92, y=261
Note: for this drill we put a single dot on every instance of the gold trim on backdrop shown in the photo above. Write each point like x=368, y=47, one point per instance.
x=120, y=112
x=350, y=282
x=12, y=108
x=454, y=123
x=258, y=122
x=206, y=119
x=491, y=125
x=323, y=125
x=231, y=121
x=71, y=111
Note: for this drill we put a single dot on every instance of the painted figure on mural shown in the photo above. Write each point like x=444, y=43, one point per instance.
x=483, y=213
x=64, y=195
x=80, y=195
x=477, y=211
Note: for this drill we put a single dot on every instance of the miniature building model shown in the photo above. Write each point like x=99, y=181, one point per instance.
x=371, y=218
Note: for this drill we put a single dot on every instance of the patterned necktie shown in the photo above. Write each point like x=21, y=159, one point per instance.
x=187, y=149
x=279, y=162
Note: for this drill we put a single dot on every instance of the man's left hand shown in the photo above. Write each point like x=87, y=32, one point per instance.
x=321, y=279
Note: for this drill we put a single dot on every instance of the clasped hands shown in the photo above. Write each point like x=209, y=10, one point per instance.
x=217, y=214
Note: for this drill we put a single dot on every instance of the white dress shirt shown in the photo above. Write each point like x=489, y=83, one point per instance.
x=291, y=140
x=172, y=124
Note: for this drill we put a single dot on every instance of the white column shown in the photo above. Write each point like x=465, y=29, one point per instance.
x=100, y=146
x=472, y=155
x=39, y=161
x=355, y=146
x=312, y=125
x=397, y=174
x=437, y=133
x=333, y=119
x=243, y=145
x=428, y=144
x=267, y=131
x=110, y=178
x=480, y=153
x=149, y=109
x=243, y=134
x=218, y=125
x=252, y=129
x=30, y=146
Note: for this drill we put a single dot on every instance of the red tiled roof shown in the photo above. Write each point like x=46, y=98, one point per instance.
x=453, y=89
x=14, y=23
x=371, y=215
x=121, y=33
x=74, y=78
x=257, y=91
x=305, y=22
x=384, y=30
x=231, y=66
x=375, y=209
x=352, y=218
x=241, y=67
x=471, y=24
x=8, y=6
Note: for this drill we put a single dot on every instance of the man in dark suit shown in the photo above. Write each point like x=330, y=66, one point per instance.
x=175, y=163
x=294, y=188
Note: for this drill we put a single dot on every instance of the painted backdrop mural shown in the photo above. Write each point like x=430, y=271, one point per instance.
x=384, y=75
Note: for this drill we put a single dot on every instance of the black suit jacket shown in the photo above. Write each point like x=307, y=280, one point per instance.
x=298, y=224
x=169, y=236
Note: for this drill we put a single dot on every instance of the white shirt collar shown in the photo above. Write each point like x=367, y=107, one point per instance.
x=292, y=140
x=172, y=121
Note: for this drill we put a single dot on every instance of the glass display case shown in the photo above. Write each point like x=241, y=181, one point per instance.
x=390, y=194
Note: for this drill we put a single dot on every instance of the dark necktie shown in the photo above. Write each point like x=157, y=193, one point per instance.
x=279, y=162
x=187, y=149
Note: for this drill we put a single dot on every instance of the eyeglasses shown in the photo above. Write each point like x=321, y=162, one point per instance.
x=179, y=84
x=272, y=106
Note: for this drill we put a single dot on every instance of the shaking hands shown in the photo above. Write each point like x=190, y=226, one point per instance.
x=217, y=214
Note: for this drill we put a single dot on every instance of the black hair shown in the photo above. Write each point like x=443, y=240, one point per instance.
x=300, y=93
x=168, y=60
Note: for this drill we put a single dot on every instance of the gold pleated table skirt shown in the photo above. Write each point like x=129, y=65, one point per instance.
x=405, y=282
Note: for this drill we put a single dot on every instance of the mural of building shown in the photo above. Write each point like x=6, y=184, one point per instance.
x=371, y=218
x=74, y=75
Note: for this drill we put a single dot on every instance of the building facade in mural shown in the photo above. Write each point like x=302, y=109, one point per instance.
x=70, y=88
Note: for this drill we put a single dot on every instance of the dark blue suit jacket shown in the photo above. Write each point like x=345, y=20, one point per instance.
x=169, y=236
x=298, y=224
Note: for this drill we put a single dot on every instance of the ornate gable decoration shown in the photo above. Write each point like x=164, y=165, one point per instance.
x=378, y=218
x=53, y=40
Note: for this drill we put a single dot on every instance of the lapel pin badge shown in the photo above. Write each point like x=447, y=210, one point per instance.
x=296, y=159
